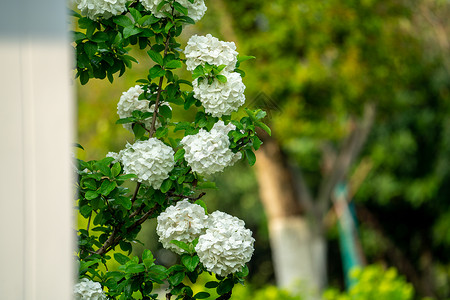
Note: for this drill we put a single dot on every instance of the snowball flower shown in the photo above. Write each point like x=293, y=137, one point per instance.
x=182, y=222
x=209, y=152
x=129, y=102
x=100, y=8
x=88, y=290
x=226, y=246
x=219, y=98
x=151, y=161
x=208, y=49
x=196, y=10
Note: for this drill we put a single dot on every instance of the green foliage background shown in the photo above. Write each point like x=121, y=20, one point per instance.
x=319, y=62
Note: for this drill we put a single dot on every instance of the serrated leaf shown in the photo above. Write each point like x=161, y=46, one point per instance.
x=120, y=258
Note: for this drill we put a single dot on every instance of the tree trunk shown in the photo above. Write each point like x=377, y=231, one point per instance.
x=298, y=245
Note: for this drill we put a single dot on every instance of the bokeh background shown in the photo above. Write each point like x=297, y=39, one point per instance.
x=350, y=196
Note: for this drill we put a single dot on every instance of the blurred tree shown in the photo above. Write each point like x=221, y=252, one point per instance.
x=325, y=67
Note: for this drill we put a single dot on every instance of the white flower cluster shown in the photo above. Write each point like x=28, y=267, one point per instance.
x=196, y=10
x=183, y=222
x=129, y=102
x=219, y=98
x=88, y=290
x=208, y=49
x=151, y=161
x=209, y=152
x=226, y=246
x=100, y=8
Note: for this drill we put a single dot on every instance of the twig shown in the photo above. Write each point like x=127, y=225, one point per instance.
x=168, y=296
x=138, y=185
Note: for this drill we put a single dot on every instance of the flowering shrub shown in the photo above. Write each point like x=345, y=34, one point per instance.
x=166, y=171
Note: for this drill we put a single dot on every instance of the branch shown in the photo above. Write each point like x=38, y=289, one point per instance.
x=348, y=153
x=158, y=95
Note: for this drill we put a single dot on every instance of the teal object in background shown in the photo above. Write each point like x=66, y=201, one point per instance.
x=348, y=233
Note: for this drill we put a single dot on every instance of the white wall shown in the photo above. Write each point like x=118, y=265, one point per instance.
x=36, y=134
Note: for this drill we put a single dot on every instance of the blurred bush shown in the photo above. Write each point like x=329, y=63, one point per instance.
x=374, y=282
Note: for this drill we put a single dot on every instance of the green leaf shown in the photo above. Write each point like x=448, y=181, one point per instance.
x=176, y=278
x=99, y=37
x=251, y=158
x=166, y=185
x=107, y=187
x=201, y=295
x=90, y=48
x=135, y=13
x=190, y=262
x=89, y=183
x=244, y=272
x=161, y=132
x=78, y=146
x=125, y=202
x=264, y=126
x=130, y=31
x=207, y=185
x=155, y=56
x=211, y=284
x=160, y=5
x=85, y=210
x=202, y=204
x=123, y=21
x=225, y=286
x=242, y=59
x=91, y=195
x=198, y=71
x=120, y=258
x=133, y=269
x=256, y=142
x=127, y=176
x=156, y=71
x=186, y=19
x=181, y=245
x=165, y=111
x=179, y=154
x=173, y=64
x=183, y=10
x=157, y=273
x=221, y=78
x=115, y=170
x=147, y=20
x=138, y=131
